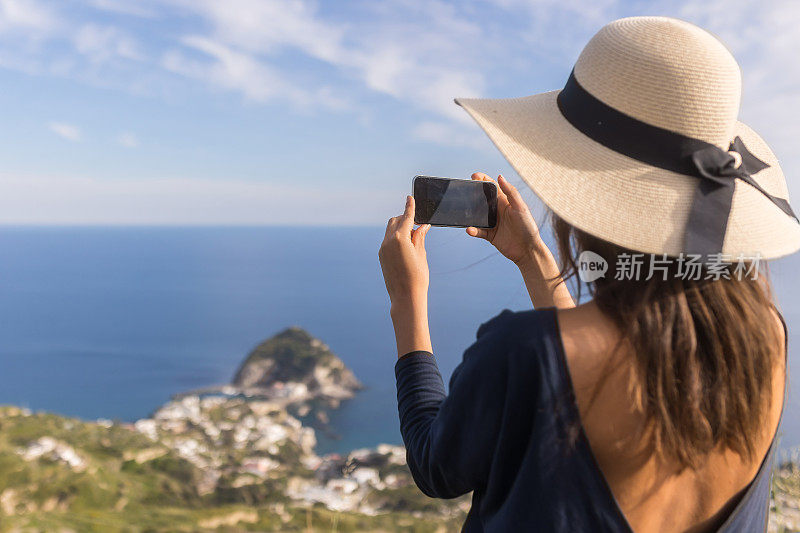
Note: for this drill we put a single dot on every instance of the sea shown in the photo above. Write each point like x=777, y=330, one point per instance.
x=110, y=322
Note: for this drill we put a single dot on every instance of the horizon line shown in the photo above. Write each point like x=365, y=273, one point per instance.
x=123, y=225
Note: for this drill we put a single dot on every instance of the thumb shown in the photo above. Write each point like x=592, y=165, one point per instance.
x=478, y=232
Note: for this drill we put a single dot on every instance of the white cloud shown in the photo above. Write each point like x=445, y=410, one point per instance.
x=185, y=201
x=65, y=131
x=102, y=43
x=128, y=140
x=38, y=38
x=266, y=26
x=124, y=7
x=421, y=53
x=25, y=14
x=231, y=69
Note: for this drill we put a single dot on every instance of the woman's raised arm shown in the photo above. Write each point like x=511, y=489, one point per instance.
x=405, y=271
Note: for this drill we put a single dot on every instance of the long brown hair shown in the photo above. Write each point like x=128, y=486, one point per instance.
x=704, y=349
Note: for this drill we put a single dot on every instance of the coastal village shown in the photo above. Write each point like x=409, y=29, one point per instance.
x=238, y=457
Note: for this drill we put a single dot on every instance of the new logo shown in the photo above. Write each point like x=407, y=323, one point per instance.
x=591, y=266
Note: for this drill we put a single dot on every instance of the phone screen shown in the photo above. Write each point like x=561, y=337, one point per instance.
x=457, y=203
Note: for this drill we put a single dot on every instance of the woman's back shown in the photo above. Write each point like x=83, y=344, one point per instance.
x=511, y=431
x=648, y=489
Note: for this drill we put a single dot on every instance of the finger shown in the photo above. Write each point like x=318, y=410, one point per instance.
x=406, y=222
x=478, y=232
x=480, y=176
x=418, y=236
x=514, y=197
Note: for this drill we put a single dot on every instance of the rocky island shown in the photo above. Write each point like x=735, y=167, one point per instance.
x=236, y=457
x=294, y=371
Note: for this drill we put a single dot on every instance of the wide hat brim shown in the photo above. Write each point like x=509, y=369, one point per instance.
x=623, y=200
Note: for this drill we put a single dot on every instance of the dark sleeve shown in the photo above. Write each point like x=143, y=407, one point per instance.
x=450, y=439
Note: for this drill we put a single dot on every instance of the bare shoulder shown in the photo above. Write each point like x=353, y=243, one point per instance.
x=781, y=328
x=589, y=339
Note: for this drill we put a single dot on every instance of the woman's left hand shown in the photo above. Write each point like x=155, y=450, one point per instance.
x=403, y=259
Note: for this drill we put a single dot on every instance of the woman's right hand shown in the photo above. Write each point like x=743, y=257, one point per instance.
x=515, y=235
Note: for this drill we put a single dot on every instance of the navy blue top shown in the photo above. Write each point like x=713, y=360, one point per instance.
x=504, y=432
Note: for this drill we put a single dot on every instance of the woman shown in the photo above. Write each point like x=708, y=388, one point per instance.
x=654, y=406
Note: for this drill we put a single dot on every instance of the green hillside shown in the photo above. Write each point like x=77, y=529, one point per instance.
x=120, y=480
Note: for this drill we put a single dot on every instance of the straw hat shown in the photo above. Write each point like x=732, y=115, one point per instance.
x=643, y=148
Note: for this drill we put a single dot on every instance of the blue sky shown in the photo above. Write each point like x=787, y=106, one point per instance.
x=305, y=112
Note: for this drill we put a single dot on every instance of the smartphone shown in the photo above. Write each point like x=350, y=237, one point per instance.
x=455, y=203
